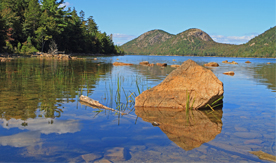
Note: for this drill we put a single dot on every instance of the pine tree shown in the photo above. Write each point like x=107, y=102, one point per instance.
x=32, y=16
x=2, y=34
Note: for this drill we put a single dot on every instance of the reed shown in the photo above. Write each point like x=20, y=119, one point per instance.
x=188, y=106
x=214, y=104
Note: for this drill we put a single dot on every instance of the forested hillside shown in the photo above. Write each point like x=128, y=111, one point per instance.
x=195, y=42
x=28, y=26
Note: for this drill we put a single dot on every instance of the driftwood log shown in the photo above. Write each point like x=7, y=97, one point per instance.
x=94, y=103
x=264, y=156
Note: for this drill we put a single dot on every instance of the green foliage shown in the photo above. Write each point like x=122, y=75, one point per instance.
x=44, y=21
x=2, y=34
x=193, y=43
x=45, y=84
x=27, y=47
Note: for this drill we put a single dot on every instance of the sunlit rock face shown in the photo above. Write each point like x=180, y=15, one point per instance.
x=189, y=82
x=187, y=130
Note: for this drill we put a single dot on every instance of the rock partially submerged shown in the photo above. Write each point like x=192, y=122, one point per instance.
x=146, y=63
x=231, y=73
x=175, y=66
x=122, y=64
x=247, y=62
x=190, y=79
x=211, y=64
x=161, y=64
x=233, y=62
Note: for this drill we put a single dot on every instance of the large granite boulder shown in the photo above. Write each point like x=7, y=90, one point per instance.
x=190, y=79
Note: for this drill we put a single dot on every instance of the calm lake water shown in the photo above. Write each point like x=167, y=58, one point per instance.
x=41, y=118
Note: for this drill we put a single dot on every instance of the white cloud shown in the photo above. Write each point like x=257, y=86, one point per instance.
x=44, y=125
x=123, y=36
x=23, y=139
x=120, y=38
x=64, y=4
x=232, y=39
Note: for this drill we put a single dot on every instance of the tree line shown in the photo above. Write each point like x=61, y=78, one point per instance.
x=28, y=26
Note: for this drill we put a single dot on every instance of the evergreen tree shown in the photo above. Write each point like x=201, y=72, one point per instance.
x=32, y=16
x=2, y=34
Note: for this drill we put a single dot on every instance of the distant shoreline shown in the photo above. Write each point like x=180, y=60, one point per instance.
x=199, y=56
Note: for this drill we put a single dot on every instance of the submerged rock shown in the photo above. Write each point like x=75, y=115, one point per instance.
x=190, y=79
x=247, y=62
x=226, y=61
x=91, y=157
x=211, y=64
x=115, y=154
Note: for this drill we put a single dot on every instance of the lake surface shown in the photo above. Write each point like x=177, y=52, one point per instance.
x=41, y=118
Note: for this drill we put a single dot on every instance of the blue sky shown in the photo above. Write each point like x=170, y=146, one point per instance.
x=226, y=21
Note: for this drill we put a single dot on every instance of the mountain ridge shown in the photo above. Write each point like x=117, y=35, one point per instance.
x=196, y=42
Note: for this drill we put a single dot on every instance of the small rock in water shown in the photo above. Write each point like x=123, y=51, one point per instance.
x=233, y=62
x=231, y=73
x=211, y=64
x=155, y=124
x=161, y=64
x=175, y=66
x=268, y=62
x=144, y=63
x=247, y=62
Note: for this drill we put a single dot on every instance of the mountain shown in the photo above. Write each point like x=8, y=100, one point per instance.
x=196, y=42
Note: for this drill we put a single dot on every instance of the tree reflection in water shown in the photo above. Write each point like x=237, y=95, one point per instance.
x=33, y=88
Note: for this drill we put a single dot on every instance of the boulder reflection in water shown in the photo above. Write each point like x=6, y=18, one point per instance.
x=187, y=131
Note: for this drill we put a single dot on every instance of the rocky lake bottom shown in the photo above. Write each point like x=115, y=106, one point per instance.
x=43, y=120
